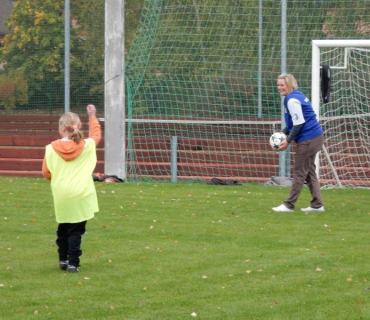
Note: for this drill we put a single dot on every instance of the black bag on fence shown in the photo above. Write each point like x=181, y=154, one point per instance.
x=224, y=182
x=106, y=178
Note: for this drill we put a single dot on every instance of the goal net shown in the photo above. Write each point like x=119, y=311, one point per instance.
x=345, y=160
x=193, y=110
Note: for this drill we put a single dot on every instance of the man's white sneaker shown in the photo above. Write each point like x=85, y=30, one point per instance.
x=282, y=208
x=310, y=209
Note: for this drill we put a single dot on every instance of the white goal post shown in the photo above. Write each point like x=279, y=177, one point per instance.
x=346, y=110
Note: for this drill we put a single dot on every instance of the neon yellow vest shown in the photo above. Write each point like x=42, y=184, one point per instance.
x=72, y=184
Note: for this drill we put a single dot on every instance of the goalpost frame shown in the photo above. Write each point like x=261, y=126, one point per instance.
x=315, y=81
x=316, y=45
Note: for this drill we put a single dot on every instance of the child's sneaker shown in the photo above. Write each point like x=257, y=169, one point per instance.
x=63, y=264
x=72, y=269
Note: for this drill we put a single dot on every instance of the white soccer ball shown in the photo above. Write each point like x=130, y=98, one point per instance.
x=276, y=139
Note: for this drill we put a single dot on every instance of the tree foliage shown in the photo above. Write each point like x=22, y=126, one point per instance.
x=13, y=89
x=36, y=38
x=35, y=43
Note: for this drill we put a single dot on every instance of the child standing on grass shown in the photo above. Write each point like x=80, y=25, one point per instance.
x=69, y=163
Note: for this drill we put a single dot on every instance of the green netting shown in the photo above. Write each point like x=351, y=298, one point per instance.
x=205, y=72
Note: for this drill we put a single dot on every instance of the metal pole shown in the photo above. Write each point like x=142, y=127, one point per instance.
x=260, y=34
x=283, y=35
x=67, y=23
x=174, y=159
x=283, y=156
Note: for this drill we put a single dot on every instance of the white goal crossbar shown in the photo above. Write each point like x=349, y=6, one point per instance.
x=315, y=84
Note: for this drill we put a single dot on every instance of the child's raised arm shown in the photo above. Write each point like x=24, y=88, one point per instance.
x=94, y=125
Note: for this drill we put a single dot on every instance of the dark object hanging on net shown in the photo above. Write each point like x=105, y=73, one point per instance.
x=325, y=83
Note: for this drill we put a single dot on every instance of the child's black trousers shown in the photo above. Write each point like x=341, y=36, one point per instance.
x=69, y=237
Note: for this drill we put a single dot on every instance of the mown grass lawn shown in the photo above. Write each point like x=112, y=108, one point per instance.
x=187, y=251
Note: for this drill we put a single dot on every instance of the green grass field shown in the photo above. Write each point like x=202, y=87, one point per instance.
x=187, y=251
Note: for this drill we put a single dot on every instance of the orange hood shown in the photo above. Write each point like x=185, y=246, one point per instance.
x=68, y=150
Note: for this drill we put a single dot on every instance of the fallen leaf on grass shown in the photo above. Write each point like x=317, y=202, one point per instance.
x=349, y=279
x=204, y=277
x=248, y=271
x=318, y=269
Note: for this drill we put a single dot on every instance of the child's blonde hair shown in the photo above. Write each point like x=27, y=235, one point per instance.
x=72, y=123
